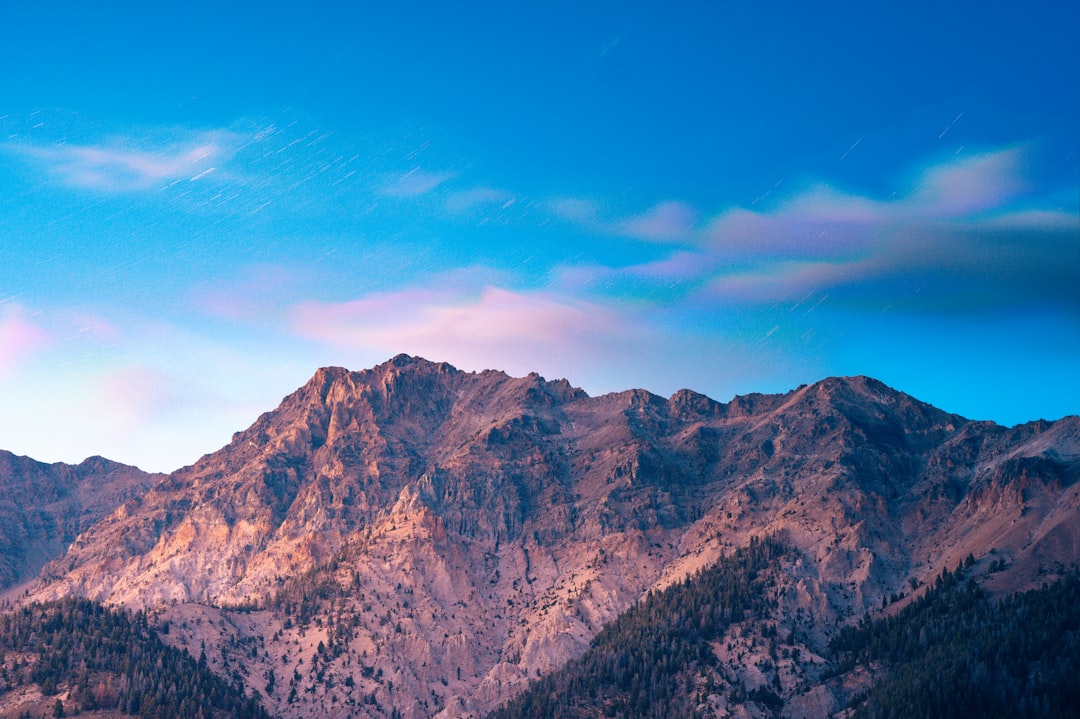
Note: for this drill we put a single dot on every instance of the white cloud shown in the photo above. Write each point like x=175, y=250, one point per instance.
x=129, y=164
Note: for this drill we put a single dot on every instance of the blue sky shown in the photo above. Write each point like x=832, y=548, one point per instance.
x=199, y=206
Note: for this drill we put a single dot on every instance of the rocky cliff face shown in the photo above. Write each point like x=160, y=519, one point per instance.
x=417, y=538
x=43, y=507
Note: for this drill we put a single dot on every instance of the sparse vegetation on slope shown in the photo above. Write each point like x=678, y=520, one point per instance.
x=102, y=659
x=642, y=664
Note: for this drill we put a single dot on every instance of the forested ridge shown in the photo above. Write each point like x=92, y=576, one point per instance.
x=952, y=652
x=641, y=664
x=110, y=660
x=955, y=653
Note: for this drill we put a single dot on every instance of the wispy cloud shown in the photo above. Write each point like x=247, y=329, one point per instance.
x=960, y=233
x=253, y=294
x=414, y=183
x=129, y=164
x=133, y=387
x=821, y=220
x=20, y=339
x=664, y=222
x=579, y=211
x=514, y=330
x=135, y=394
x=781, y=280
x=980, y=183
x=668, y=221
x=478, y=199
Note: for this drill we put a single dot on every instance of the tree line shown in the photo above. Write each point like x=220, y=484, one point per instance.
x=111, y=660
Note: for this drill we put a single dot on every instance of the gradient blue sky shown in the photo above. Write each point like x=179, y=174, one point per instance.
x=201, y=205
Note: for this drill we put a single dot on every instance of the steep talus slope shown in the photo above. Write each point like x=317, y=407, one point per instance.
x=421, y=539
x=43, y=507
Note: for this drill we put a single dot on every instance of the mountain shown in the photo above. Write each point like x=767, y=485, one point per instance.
x=953, y=652
x=651, y=662
x=77, y=658
x=421, y=541
x=43, y=507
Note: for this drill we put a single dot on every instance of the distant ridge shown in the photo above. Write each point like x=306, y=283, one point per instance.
x=43, y=507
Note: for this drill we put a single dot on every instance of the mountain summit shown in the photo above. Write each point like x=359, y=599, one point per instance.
x=418, y=538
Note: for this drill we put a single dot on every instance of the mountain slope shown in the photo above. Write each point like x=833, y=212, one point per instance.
x=951, y=653
x=76, y=658
x=43, y=507
x=419, y=539
x=646, y=662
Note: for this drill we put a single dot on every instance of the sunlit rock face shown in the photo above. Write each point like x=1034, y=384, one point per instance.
x=418, y=538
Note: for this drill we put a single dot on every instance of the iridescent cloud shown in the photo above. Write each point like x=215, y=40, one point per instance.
x=964, y=218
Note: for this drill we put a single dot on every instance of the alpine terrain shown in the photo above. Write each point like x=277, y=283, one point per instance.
x=417, y=541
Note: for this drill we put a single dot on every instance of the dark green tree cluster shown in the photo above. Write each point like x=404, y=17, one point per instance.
x=955, y=653
x=302, y=597
x=109, y=659
x=642, y=664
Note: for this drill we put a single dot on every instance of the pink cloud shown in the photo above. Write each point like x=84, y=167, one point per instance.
x=807, y=227
x=970, y=185
x=664, y=222
x=825, y=204
x=677, y=267
x=19, y=340
x=134, y=394
x=823, y=224
x=823, y=237
x=517, y=331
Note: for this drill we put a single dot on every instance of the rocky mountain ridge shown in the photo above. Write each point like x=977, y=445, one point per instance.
x=44, y=507
x=417, y=539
